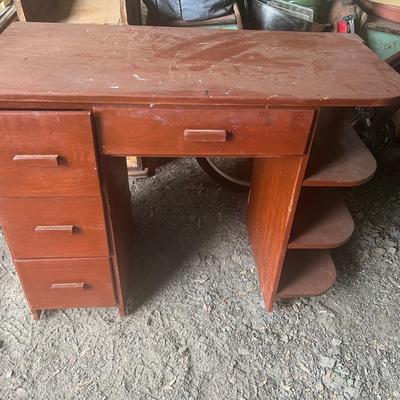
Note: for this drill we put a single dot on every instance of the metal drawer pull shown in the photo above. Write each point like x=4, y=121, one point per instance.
x=205, y=135
x=76, y=285
x=55, y=228
x=37, y=160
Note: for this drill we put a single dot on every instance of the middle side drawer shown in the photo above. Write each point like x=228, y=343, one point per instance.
x=54, y=227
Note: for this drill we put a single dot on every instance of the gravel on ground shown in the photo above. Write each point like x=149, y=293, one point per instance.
x=197, y=328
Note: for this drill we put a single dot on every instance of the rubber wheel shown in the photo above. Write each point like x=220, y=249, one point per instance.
x=237, y=178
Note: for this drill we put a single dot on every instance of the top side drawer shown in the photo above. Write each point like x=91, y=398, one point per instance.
x=203, y=131
x=47, y=153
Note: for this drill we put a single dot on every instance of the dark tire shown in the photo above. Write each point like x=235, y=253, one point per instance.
x=237, y=179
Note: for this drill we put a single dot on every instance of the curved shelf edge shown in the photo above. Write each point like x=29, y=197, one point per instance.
x=306, y=273
x=339, y=158
x=322, y=220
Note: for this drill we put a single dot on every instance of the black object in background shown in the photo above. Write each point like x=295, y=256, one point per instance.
x=188, y=10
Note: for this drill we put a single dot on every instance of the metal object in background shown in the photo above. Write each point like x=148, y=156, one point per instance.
x=7, y=15
x=292, y=9
x=315, y=5
x=264, y=16
x=375, y=125
x=351, y=22
x=232, y=172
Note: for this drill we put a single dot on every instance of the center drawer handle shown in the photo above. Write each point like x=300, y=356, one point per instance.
x=205, y=135
x=76, y=285
x=37, y=160
x=56, y=228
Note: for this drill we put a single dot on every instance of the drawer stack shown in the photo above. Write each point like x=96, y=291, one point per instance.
x=51, y=209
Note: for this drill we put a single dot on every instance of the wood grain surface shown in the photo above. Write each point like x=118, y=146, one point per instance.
x=322, y=220
x=339, y=158
x=120, y=225
x=67, y=283
x=52, y=135
x=306, y=273
x=54, y=227
x=121, y=64
x=161, y=131
x=275, y=187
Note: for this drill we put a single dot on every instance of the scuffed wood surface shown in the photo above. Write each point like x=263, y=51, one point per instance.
x=120, y=64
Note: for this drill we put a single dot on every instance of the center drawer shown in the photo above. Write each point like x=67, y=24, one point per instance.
x=54, y=227
x=181, y=131
x=67, y=283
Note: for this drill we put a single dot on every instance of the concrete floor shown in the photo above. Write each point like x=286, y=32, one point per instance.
x=197, y=328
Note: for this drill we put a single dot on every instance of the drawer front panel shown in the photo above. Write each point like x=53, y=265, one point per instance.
x=203, y=132
x=47, y=153
x=67, y=283
x=54, y=227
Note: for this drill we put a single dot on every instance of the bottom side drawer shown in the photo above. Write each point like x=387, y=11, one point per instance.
x=67, y=283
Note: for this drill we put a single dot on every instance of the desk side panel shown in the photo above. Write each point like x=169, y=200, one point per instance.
x=119, y=216
x=276, y=184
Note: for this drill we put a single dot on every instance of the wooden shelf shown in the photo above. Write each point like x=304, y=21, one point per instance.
x=322, y=220
x=338, y=156
x=306, y=273
x=70, y=11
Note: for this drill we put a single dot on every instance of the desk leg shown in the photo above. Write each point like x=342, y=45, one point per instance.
x=275, y=188
x=120, y=226
x=36, y=314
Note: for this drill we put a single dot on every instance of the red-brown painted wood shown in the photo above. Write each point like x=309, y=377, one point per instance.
x=275, y=187
x=306, y=273
x=95, y=64
x=161, y=131
x=54, y=227
x=120, y=226
x=322, y=220
x=147, y=87
x=38, y=278
x=61, y=286
x=37, y=160
x=65, y=134
x=338, y=158
x=205, y=135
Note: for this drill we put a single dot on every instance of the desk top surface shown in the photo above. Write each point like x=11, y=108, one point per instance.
x=120, y=64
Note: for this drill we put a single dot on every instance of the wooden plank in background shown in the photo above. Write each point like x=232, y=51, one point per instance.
x=71, y=11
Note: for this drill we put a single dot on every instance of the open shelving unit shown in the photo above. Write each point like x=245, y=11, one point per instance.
x=338, y=158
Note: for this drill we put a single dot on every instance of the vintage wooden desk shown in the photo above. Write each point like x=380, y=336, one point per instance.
x=77, y=98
